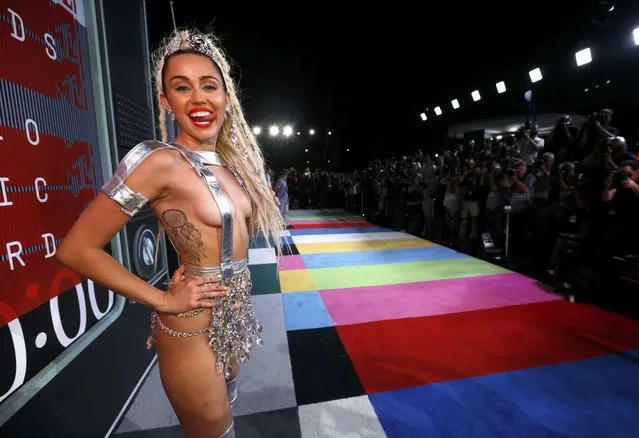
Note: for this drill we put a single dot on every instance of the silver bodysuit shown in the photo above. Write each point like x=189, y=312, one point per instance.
x=234, y=324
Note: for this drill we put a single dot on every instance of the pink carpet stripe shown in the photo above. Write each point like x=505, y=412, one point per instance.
x=288, y=263
x=365, y=304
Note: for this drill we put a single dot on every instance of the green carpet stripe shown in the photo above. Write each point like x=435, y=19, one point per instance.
x=378, y=275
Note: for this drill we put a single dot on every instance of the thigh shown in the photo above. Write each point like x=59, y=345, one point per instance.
x=196, y=392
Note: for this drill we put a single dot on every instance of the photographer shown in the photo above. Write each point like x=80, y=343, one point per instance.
x=529, y=144
x=622, y=196
x=542, y=170
x=562, y=139
x=619, y=151
x=595, y=129
x=517, y=185
x=472, y=192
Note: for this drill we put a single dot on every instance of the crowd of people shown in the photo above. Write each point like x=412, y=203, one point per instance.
x=523, y=199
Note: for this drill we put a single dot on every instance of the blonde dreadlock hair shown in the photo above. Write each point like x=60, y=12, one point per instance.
x=240, y=148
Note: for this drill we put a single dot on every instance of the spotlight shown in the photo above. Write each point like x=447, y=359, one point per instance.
x=288, y=131
x=635, y=34
x=535, y=75
x=438, y=111
x=273, y=130
x=257, y=130
x=501, y=87
x=423, y=116
x=583, y=57
x=476, y=96
x=454, y=103
x=312, y=132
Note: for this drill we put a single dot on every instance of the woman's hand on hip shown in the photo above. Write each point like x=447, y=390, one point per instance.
x=185, y=294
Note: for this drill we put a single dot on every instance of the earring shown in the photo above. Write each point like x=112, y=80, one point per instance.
x=233, y=133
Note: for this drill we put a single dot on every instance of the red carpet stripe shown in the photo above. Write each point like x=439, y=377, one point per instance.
x=397, y=354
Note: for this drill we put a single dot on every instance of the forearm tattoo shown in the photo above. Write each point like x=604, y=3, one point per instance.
x=187, y=238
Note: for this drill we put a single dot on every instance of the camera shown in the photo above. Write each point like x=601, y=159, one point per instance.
x=564, y=120
x=511, y=172
x=537, y=165
x=567, y=170
x=520, y=132
x=605, y=145
x=620, y=176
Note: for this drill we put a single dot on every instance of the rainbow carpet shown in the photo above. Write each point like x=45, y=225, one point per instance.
x=374, y=333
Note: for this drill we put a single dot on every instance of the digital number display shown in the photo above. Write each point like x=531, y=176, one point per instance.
x=50, y=169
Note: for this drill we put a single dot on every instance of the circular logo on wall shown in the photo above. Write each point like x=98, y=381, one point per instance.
x=144, y=252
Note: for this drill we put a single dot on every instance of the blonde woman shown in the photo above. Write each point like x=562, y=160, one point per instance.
x=210, y=193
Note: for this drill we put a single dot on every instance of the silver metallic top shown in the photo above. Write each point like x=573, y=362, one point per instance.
x=211, y=271
x=116, y=189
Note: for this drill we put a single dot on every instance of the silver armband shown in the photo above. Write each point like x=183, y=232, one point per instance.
x=130, y=201
x=116, y=189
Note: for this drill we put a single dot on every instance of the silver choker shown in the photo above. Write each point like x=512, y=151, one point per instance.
x=211, y=158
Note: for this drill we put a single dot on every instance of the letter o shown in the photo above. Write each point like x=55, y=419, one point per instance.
x=34, y=141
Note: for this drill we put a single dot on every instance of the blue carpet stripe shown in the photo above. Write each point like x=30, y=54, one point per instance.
x=305, y=310
x=379, y=257
x=308, y=231
x=589, y=398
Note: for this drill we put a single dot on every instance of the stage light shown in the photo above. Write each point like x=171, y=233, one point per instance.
x=438, y=111
x=299, y=133
x=330, y=133
x=348, y=150
x=501, y=87
x=312, y=132
x=305, y=150
x=583, y=57
x=257, y=130
x=288, y=131
x=423, y=116
x=274, y=130
x=454, y=103
x=476, y=96
x=499, y=137
x=535, y=75
x=635, y=34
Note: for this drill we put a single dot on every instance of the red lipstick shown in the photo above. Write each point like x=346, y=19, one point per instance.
x=202, y=117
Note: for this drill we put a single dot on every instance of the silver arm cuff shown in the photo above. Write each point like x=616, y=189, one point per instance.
x=130, y=201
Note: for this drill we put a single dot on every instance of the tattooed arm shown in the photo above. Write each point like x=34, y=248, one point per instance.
x=83, y=247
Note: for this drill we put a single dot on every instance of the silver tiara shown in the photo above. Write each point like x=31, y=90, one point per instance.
x=198, y=44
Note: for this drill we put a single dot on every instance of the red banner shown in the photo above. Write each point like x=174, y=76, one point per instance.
x=47, y=148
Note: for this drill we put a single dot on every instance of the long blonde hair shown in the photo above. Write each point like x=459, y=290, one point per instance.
x=242, y=153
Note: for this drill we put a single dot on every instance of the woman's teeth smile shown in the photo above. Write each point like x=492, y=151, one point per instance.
x=202, y=119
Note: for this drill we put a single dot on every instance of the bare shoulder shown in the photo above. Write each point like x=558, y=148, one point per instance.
x=157, y=165
x=149, y=156
x=147, y=168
